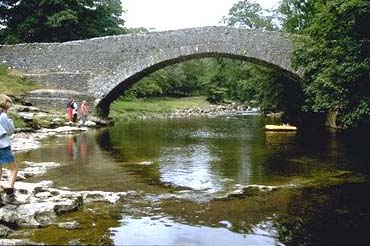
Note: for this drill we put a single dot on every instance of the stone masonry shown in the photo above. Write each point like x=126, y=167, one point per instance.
x=101, y=69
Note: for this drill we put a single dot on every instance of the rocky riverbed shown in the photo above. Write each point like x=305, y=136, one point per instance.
x=208, y=111
x=38, y=205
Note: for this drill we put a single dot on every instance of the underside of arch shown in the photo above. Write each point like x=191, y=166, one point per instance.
x=102, y=107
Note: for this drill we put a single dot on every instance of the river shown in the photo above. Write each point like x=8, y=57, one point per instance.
x=212, y=181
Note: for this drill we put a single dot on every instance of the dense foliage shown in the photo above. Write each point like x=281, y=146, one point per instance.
x=334, y=52
x=223, y=80
x=58, y=20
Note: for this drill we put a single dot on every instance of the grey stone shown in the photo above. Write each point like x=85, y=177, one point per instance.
x=18, y=242
x=75, y=242
x=4, y=231
x=72, y=225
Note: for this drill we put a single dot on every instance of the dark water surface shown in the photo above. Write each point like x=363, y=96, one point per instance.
x=180, y=172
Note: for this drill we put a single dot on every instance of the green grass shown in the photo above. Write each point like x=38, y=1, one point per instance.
x=18, y=122
x=122, y=109
x=14, y=84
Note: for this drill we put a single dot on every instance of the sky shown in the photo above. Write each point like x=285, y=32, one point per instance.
x=161, y=15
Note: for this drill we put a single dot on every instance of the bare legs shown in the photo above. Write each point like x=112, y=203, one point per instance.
x=13, y=173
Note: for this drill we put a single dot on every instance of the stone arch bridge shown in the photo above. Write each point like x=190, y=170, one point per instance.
x=101, y=69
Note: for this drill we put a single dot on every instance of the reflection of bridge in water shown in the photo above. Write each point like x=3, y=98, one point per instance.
x=101, y=69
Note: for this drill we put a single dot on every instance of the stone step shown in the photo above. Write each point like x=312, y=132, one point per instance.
x=55, y=98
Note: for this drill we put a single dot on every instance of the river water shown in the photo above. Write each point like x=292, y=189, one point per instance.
x=185, y=177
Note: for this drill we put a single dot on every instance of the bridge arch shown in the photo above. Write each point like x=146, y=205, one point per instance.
x=104, y=103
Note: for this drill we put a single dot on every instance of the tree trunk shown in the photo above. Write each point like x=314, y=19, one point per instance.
x=331, y=119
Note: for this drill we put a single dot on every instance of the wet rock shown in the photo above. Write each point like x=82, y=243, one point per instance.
x=275, y=115
x=36, y=211
x=37, y=168
x=225, y=223
x=25, y=141
x=38, y=204
x=18, y=242
x=27, y=108
x=90, y=123
x=26, y=103
x=145, y=163
x=57, y=122
x=32, y=169
x=4, y=231
x=33, y=210
x=75, y=242
x=101, y=196
x=213, y=110
x=26, y=116
x=100, y=121
x=23, y=129
x=63, y=130
x=72, y=225
x=249, y=190
x=43, y=195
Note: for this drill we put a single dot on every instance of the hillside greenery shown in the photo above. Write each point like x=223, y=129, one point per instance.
x=134, y=108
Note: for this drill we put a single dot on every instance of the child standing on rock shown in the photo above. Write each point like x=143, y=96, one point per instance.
x=6, y=156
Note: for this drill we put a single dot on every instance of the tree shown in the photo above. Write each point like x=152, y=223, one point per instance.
x=271, y=90
x=334, y=52
x=58, y=20
x=250, y=15
x=295, y=15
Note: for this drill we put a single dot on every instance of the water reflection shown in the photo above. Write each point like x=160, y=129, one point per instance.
x=189, y=167
x=77, y=147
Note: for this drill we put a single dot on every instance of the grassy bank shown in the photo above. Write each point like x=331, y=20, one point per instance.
x=14, y=84
x=122, y=109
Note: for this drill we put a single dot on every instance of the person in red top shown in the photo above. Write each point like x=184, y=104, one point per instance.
x=69, y=109
x=83, y=112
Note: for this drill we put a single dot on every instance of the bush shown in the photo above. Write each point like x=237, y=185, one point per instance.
x=217, y=95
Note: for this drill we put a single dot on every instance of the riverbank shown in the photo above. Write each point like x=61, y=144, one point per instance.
x=42, y=205
x=174, y=108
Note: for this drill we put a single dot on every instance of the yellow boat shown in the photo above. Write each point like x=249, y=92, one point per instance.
x=280, y=128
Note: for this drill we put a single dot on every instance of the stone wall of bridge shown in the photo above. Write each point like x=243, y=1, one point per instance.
x=102, y=68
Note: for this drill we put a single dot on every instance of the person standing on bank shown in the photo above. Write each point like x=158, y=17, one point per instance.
x=83, y=112
x=69, y=109
x=6, y=156
x=74, y=111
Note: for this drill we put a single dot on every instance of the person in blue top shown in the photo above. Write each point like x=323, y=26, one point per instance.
x=6, y=156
